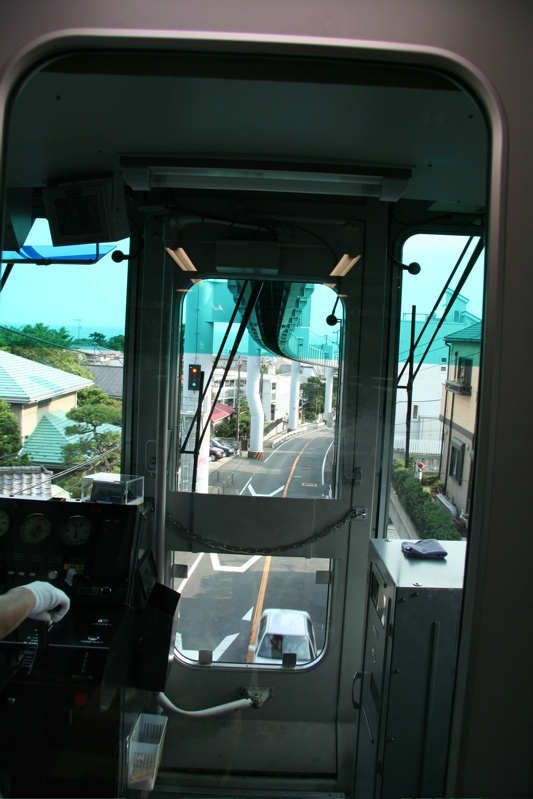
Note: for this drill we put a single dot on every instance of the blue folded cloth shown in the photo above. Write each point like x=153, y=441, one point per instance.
x=430, y=548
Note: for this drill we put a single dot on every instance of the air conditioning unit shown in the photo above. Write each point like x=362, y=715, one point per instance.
x=447, y=506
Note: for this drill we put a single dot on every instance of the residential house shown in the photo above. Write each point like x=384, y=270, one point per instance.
x=109, y=378
x=45, y=444
x=430, y=361
x=101, y=355
x=458, y=415
x=33, y=389
x=430, y=364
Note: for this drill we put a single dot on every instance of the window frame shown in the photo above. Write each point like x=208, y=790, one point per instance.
x=456, y=460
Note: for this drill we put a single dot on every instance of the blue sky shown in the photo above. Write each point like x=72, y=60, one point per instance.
x=93, y=297
x=61, y=295
x=437, y=255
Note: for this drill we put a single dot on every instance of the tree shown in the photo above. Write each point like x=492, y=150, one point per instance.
x=42, y=334
x=313, y=394
x=93, y=441
x=98, y=339
x=31, y=342
x=92, y=395
x=116, y=343
x=10, y=440
x=90, y=417
x=228, y=429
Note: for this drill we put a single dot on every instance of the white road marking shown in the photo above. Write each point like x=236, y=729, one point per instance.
x=272, y=494
x=248, y=616
x=192, y=654
x=218, y=567
x=246, y=486
x=223, y=645
x=324, y=461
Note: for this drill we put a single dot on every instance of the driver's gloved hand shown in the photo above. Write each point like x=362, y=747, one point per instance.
x=51, y=603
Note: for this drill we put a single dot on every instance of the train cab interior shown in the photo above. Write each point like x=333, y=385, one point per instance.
x=247, y=625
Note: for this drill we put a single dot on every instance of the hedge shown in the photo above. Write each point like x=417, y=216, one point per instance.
x=425, y=514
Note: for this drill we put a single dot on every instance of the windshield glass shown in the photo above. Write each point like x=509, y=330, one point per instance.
x=259, y=380
x=62, y=362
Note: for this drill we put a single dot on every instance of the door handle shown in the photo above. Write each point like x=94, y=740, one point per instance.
x=358, y=675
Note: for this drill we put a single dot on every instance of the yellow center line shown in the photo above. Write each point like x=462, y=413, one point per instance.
x=294, y=466
x=266, y=570
x=259, y=605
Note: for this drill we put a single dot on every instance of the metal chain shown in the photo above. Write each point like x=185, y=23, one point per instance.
x=354, y=513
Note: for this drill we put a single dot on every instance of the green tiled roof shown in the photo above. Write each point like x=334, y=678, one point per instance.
x=472, y=333
x=25, y=381
x=45, y=444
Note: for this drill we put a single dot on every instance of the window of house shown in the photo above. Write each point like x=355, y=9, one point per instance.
x=457, y=455
x=415, y=412
x=464, y=370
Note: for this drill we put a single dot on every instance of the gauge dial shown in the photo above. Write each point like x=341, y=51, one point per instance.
x=4, y=522
x=75, y=531
x=35, y=528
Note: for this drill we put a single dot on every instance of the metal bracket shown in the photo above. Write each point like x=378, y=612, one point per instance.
x=357, y=513
x=356, y=476
x=258, y=695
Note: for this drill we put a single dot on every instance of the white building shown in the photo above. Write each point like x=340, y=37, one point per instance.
x=274, y=389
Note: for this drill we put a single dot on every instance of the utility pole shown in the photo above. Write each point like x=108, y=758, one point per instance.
x=238, y=403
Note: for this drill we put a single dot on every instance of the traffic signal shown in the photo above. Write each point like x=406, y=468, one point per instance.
x=194, y=377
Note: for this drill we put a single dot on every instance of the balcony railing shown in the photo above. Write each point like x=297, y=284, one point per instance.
x=459, y=387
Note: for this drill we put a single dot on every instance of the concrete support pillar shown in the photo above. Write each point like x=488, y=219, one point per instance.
x=257, y=414
x=294, y=399
x=328, y=399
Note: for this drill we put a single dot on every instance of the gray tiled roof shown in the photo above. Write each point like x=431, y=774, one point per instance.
x=30, y=481
x=24, y=381
x=472, y=333
x=109, y=379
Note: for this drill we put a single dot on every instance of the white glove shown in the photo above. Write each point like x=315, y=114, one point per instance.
x=47, y=598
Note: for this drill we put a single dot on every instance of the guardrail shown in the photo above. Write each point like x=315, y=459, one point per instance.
x=280, y=439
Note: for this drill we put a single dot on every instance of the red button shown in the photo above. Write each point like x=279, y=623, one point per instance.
x=81, y=698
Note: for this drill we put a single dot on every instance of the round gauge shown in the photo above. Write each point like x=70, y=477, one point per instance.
x=4, y=522
x=35, y=528
x=75, y=531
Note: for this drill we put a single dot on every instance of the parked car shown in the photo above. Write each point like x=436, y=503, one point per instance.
x=283, y=630
x=215, y=453
x=228, y=450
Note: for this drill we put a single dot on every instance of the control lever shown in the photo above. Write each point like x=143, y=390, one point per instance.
x=73, y=576
x=35, y=647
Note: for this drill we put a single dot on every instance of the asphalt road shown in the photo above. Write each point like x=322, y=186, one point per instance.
x=224, y=595
x=300, y=467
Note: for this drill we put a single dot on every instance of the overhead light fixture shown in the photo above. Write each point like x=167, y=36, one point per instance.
x=344, y=266
x=183, y=261
x=383, y=183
